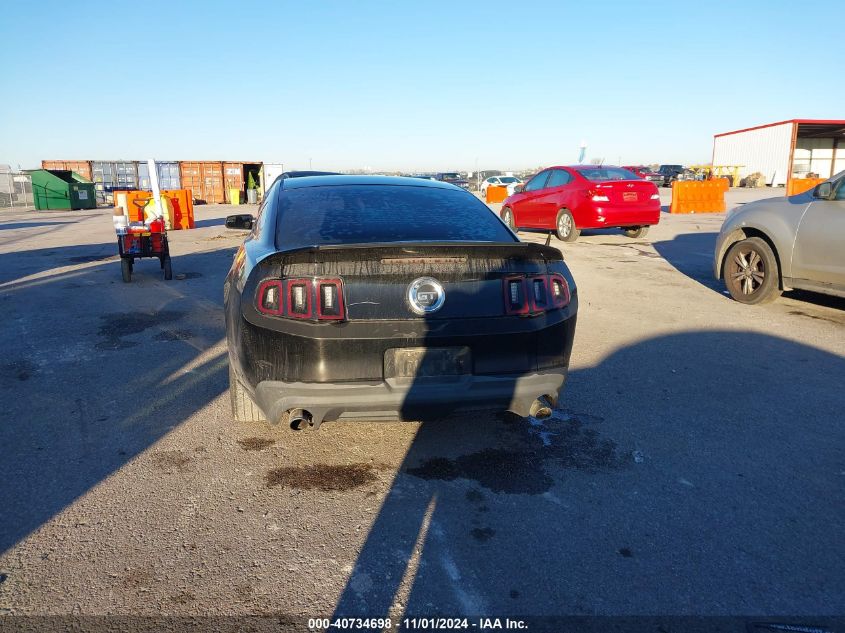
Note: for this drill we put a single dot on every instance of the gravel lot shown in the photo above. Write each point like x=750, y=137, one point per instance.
x=692, y=467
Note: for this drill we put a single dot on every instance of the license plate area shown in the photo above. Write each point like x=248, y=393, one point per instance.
x=630, y=196
x=427, y=362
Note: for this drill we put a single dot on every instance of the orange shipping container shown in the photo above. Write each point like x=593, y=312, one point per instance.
x=204, y=179
x=81, y=167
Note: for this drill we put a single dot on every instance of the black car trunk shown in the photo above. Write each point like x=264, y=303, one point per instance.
x=376, y=278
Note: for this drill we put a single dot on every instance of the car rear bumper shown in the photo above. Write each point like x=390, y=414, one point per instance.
x=609, y=216
x=409, y=399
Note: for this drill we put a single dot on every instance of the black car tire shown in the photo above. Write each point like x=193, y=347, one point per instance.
x=636, y=231
x=751, y=272
x=126, y=269
x=563, y=220
x=507, y=218
x=243, y=407
x=168, y=269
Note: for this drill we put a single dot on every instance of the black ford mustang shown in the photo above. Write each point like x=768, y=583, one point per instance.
x=390, y=298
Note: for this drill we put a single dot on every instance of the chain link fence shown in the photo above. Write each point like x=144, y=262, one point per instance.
x=15, y=190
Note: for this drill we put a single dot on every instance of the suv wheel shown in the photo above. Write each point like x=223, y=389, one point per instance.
x=751, y=272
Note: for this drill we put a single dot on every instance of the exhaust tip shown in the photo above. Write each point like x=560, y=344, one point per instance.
x=540, y=409
x=300, y=419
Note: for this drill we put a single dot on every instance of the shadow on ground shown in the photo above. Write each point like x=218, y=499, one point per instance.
x=675, y=478
x=95, y=371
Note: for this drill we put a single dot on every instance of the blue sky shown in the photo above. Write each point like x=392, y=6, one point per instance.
x=406, y=85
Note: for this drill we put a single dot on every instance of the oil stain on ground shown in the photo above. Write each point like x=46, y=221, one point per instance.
x=255, y=443
x=168, y=460
x=184, y=276
x=324, y=477
x=521, y=467
x=117, y=325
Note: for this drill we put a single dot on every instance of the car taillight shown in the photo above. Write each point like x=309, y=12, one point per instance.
x=329, y=299
x=597, y=196
x=516, y=301
x=535, y=294
x=559, y=291
x=655, y=196
x=539, y=293
x=296, y=298
x=270, y=297
x=299, y=298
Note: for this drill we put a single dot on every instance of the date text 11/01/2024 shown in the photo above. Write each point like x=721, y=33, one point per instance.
x=416, y=624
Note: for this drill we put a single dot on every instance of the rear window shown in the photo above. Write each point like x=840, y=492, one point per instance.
x=508, y=179
x=601, y=174
x=359, y=214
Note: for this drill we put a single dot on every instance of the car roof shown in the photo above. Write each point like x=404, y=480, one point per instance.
x=333, y=181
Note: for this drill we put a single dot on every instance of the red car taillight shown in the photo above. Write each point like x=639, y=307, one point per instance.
x=295, y=298
x=535, y=294
x=597, y=196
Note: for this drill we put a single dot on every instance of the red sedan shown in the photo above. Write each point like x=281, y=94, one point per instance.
x=569, y=199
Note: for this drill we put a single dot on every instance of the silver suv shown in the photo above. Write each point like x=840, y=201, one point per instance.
x=777, y=244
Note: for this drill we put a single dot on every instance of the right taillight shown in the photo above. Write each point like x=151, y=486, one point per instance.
x=535, y=294
x=559, y=290
x=597, y=196
x=329, y=299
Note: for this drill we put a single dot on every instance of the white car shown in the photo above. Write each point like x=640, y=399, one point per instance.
x=509, y=181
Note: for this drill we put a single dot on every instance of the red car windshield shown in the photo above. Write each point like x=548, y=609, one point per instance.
x=602, y=174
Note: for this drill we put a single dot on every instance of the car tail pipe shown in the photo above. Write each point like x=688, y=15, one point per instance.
x=300, y=419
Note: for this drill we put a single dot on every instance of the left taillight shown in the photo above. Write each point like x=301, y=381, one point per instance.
x=269, y=297
x=330, y=299
x=302, y=298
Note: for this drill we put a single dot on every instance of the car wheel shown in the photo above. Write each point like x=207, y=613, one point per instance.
x=636, y=231
x=507, y=218
x=751, y=272
x=243, y=407
x=126, y=269
x=168, y=269
x=565, y=227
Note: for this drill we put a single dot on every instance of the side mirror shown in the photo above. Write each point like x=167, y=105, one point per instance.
x=518, y=188
x=242, y=221
x=823, y=191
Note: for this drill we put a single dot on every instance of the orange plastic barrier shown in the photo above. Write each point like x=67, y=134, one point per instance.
x=699, y=196
x=496, y=193
x=181, y=201
x=800, y=185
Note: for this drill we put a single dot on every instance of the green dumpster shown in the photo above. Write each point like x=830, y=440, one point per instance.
x=61, y=189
